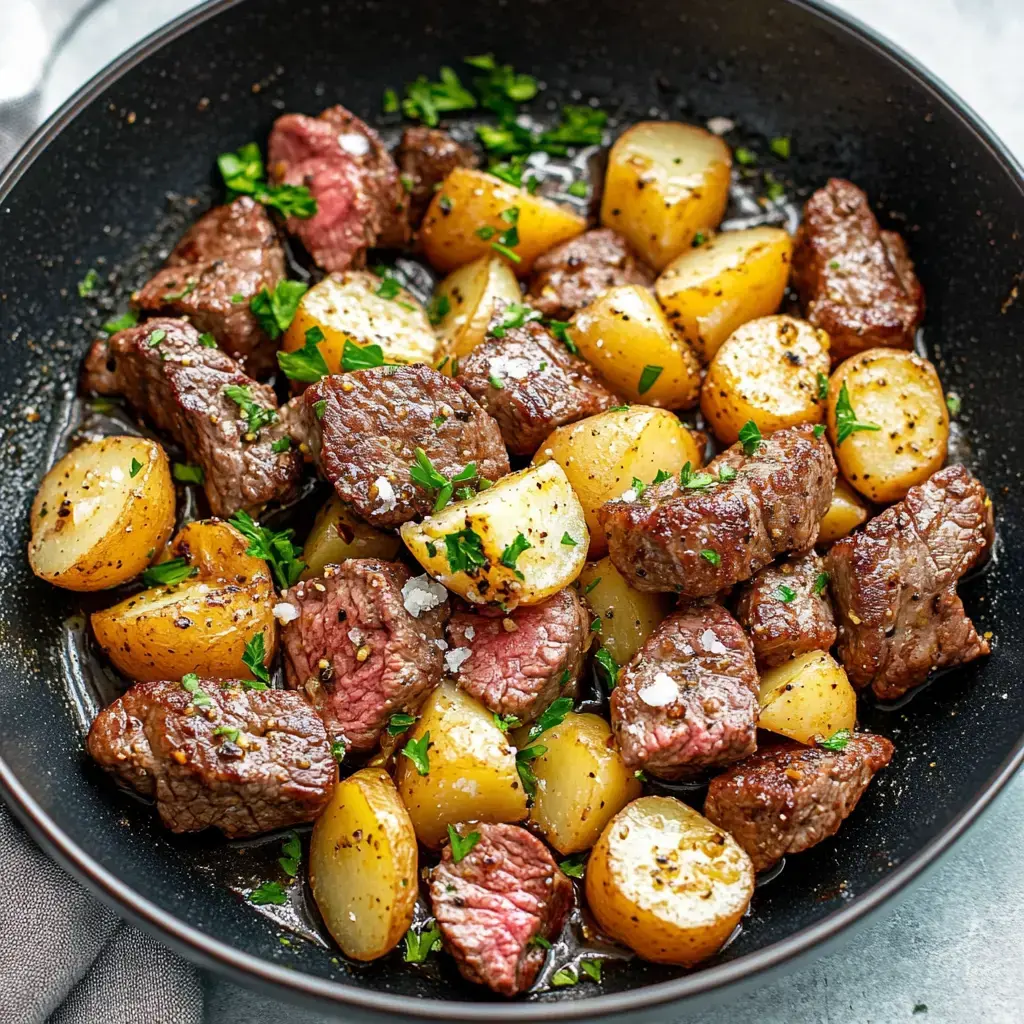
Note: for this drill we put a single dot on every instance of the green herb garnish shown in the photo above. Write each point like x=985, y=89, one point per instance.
x=750, y=437
x=254, y=656
x=274, y=546
x=88, y=284
x=837, y=741
x=186, y=473
x=648, y=376
x=416, y=751
x=400, y=722
x=276, y=310
x=135, y=469
x=268, y=893
x=169, y=573
x=257, y=416
x=307, y=364
x=420, y=944
x=712, y=556
x=461, y=845
x=464, y=551
x=846, y=419
x=554, y=714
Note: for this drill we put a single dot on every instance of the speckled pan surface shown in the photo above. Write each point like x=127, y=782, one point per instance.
x=93, y=191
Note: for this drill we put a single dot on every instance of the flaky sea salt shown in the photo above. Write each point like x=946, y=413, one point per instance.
x=421, y=594
x=720, y=125
x=453, y=659
x=662, y=690
x=710, y=642
x=354, y=143
x=386, y=498
x=470, y=632
x=629, y=495
x=285, y=612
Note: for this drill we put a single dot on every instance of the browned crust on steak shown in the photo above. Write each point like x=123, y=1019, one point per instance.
x=425, y=157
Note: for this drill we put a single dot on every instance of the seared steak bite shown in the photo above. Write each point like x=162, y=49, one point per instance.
x=786, y=611
x=530, y=383
x=894, y=585
x=231, y=251
x=573, y=274
x=724, y=523
x=186, y=389
x=360, y=198
x=517, y=664
x=789, y=797
x=491, y=906
x=244, y=761
x=854, y=280
x=425, y=157
x=366, y=642
x=365, y=428
x=688, y=699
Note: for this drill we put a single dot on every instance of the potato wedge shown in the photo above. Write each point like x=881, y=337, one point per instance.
x=899, y=393
x=602, y=454
x=807, y=698
x=470, y=293
x=847, y=511
x=582, y=782
x=472, y=204
x=474, y=548
x=472, y=768
x=363, y=863
x=709, y=291
x=665, y=182
x=217, y=551
x=766, y=371
x=625, y=335
x=337, y=533
x=348, y=307
x=667, y=882
x=101, y=513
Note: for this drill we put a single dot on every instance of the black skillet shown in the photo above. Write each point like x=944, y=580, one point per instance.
x=91, y=190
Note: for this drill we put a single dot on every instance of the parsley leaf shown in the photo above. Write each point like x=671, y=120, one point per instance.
x=694, y=481
x=232, y=734
x=282, y=444
x=953, y=404
x=593, y=583
x=244, y=174
x=268, y=893
x=254, y=656
x=607, y=668
x=846, y=419
x=121, y=323
x=88, y=284
x=461, y=845
x=207, y=340
x=420, y=944
x=781, y=147
x=579, y=126
x=574, y=865
x=136, y=467
x=819, y=429
x=785, y=594
x=156, y=337
x=400, y=722
x=539, y=940
x=511, y=554
x=712, y=556
x=257, y=416
x=169, y=573
x=425, y=100
x=416, y=751
x=663, y=474
x=837, y=741
x=186, y=473
x=568, y=541
x=750, y=437
x=560, y=329
x=389, y=102
x=319, y=408
x=361, y=357
x=338, y=750
x=440, y=306
x=564, y=976
x=291, y=854
x=725, y=474
x=554, y=714
x=648, y=376
x=744, y=157
x=501, y=88
x=505, y=722
x=525, y=769
x=276, y=310
x=464, y=551
x=515, y=314
x=821, y=582
x=190, y=684
x=274, y=546
x=822, y=386
x=592, y=969
x=307, y=364
x=578, y=189
x=638, y=486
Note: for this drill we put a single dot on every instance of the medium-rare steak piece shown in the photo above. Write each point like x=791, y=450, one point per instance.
x=517, y=664
x=573, y=274
x=725, y=522
x=358, y=651
x=365, y=434
x=786, y=611
x=789, y=797
x=491, y=906
x=425, y=157
x=231, y=251
x=854, y=280
x=186, y=389
x=894, y=585
x=360, y=198
x=217, y=754
x=688, y=699
x=530, y=383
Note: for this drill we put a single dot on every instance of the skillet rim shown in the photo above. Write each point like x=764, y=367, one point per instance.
x=244, y=967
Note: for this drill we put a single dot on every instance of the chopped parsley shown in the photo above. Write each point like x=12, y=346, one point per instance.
x=564, y=976
x=169, y=573
x=590, y=586
x=525, y=769
x=416, y=751
x=846, y=419
x=578, y=189
x=554, y=714
x=698, y=240
x=440, y=306
x=725, y=474
x=156, y=337
x=496, y=382
x=361, y=357
x=400, y=722
x=485, y=232
x=319, y=408
x=712, y=556
x=501, y=87
x=774, y=190
x=291, y=854
x=389, y=102
x=306, y=364
x=275, y=310
x=662, y=475
x=595, y=625
x=785, y=594
x=186, y=473
x=464, y=551
x=254, y=656
x=638, y=486
x=268, y=893
x=426, y=101
x=837, y=741
x=228, y=732
x=750, y=437
x=461, y=845
x=953, y=404
x=256, y=416
x=574, y=865
x=244, y=174
x=190, y=684
x=88, y=284
x=282, y=444
x=423, y=474
x=821, y=582
x=420, y=944
x=390, y=287
x=744, y=157
x=695, y=481
x=121, y=323
x=190, y=287
x=568, y=541
x=207, y=340
x=781, y=147
x=511, y=554
x=648, y=376
x=560, y=329
x=506, y=722
x=539, y=940
x=819, y=429
x=274, y=546
x=136, y=468
x=592, y=969
x=338, y=750
x=514, y=315
x=579, y=126
x=607, y=668
x=822, y=386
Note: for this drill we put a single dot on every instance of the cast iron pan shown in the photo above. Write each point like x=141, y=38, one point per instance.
x=96, y=188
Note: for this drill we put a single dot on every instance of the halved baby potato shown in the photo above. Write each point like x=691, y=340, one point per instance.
x=337, y=533
x=807, y=698
x=709, y=291
x=102, y=513
x=665, y=182
x=363, y=865
x=518, y=542
x=845, y=513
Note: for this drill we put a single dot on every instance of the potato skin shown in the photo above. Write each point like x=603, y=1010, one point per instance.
x=900, y=393
x=807, y=698
x=709, y=291
x=472, y=291
x=94, y=525
x=472, y=775
x=847, y=511
x=363, y=862
x=337, y=534
x=667, y=882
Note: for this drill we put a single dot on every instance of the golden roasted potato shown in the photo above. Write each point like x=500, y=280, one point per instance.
x=350, y=307
x=625, y=335
x=471, y=213
x=709, y=291
x=766, y=371
x=667, y=882
x=338, y=534
x=628, y=617
x=603, y=454
x=900, y=424
x=665, y=182
x=102, y=513
x=470, y=293
x=847, y=511
x=518, y=542
x=807, y=698
x=582, y=782
x=472, y=774
x=200, y=624
x=363, y=865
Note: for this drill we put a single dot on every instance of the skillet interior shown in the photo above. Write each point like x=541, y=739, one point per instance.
x=98, y=193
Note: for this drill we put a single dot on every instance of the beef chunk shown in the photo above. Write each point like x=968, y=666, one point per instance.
x=789, y=797
x=854, y=280
x=357, y=651
x=426, y=156
x=277, y=771
x=698, y=540
x=373, y=421
x=182, y=388
x=786, y=610
x=894, y=585
x=573, y=274
x=489, y=906
x=232, y=250
x=360, y=198
x=543, y=385
x=688, y=699
x=520, y=662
